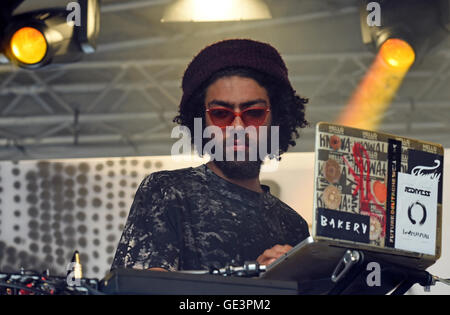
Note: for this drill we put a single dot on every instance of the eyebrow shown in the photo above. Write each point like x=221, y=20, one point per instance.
x=241, y=105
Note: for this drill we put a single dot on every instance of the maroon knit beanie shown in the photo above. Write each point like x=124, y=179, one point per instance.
x=232, y=53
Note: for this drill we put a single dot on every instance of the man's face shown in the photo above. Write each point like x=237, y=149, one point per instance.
x=239, y=94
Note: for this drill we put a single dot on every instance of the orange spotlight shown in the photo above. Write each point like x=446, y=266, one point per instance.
x=397, y=53
x=56, y=35
x=372, y=97
x=28, y=45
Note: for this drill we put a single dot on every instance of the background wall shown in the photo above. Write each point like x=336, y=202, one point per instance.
x=49, y=209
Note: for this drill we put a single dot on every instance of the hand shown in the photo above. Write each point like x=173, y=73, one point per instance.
x=271, y=254
x=158, y=269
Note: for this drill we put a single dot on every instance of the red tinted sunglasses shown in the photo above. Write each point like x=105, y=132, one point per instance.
x=224, y=116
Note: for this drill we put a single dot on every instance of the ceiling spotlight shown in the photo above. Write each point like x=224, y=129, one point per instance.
x=216, y=11
x=397, y=53
x=416, y=25
x=28, y=45
x=401, y=32
x=40, y=37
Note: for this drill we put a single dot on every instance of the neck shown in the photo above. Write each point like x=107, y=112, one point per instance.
x=250, y=183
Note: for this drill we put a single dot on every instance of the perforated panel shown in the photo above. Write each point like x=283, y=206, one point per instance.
x=51, y=208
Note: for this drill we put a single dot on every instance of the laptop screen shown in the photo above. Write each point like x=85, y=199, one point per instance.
x=377, y=189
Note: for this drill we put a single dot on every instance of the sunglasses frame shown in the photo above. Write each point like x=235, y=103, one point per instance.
x=237, y=114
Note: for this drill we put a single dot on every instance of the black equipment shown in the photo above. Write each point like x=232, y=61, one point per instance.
x=351, y=275
x=129, y=281
x=28, y=282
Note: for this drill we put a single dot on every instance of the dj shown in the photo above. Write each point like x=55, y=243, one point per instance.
x=219, y=213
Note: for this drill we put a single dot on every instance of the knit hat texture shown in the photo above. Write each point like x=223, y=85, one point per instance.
x=232, y=53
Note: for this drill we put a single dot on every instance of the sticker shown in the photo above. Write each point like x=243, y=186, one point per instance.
x=332, y=171
x=379, y=190
x=362, y=177
x=416, y=214
x=376, y=228
x=394, y=167
x=335, y=142
x=331, y=197
x=343, y=225
x=426, y=165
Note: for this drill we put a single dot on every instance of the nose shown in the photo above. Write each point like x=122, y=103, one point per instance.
x=237, y=122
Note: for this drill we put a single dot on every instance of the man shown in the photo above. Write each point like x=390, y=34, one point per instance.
x=219, y=213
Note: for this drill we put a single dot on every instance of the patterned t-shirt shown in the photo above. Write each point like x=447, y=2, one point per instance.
x=192, y=219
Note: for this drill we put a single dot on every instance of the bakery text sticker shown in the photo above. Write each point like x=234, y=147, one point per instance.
x=343, y=225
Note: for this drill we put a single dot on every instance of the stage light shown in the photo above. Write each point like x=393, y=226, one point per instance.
x=397, y=53
x=28, y=35
x=216, y=10
x=28, y=45
x=52, y=36
x=372, y=97
x=404, y=33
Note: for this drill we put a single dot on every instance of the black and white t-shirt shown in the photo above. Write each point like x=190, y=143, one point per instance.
x=192, y=219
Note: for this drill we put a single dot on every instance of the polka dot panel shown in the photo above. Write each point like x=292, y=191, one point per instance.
x=49, y=209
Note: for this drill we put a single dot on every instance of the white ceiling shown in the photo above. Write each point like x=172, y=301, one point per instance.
x=125, y=95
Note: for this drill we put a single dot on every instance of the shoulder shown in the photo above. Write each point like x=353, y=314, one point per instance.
x=172, y=178
x=289, y=215
x=161, y=194
x=284, y=208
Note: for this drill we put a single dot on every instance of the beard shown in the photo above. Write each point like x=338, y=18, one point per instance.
x=241, y=166
x=239, y=169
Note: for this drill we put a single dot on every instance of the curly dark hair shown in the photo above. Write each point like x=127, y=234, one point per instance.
x=287, y=108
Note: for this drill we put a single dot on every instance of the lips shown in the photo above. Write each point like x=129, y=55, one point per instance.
x=239, y=146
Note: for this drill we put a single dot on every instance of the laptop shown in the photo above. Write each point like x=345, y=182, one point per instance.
x=374, y=192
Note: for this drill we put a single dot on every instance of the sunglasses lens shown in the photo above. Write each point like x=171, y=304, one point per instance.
x=254, y=117
x=221, y=117
x=251, y=117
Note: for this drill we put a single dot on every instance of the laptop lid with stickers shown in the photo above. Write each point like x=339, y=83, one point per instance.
x=378, y=191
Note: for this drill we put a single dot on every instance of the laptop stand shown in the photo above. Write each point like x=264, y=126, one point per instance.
x=361, y=273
